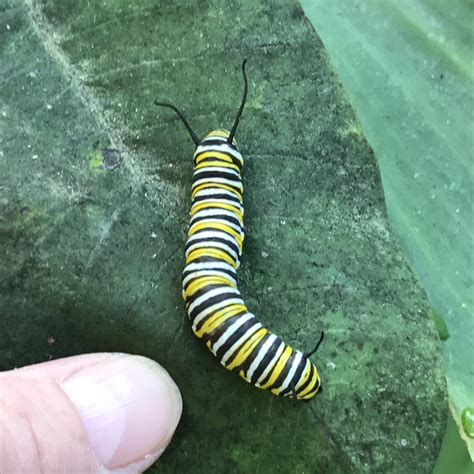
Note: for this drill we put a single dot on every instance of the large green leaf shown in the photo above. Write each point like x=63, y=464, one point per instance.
x=407, y=67
x=92, y=239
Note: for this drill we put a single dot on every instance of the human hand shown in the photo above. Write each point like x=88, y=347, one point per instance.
x=94, y=413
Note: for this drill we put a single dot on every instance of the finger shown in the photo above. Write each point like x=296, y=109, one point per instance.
x=112, y=412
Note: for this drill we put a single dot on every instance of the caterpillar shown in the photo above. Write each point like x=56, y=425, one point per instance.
x=213, y=249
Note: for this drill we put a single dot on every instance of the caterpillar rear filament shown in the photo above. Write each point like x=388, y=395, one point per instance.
x=214, y=304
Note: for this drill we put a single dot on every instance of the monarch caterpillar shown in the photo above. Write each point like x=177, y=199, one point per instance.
x=213, y=302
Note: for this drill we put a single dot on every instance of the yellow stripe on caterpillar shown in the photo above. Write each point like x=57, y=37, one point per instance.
x=213, y=253
x=218, y=318
x=247, y=349
x=219, y=164
x=217, y=225
x=213, y=154
x=220, y=205
x=206, y=281
x=203, y=186
x=279, y=366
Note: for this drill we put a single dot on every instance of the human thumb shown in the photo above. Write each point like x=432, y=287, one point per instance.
x=94, y=413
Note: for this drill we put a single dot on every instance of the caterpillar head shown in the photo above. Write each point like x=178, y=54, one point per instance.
x=229, y=136
x=219, y=134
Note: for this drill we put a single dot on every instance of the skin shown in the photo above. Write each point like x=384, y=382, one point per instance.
x=94, y=413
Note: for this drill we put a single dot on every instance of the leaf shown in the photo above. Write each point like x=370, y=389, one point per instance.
x=93, y=259
x=407, y=67
x=454, y=457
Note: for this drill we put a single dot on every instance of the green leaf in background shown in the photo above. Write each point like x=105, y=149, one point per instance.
x=407, y=67
x=95, y=194
x=454, y=457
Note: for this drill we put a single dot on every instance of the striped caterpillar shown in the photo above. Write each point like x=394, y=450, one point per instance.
x=213, y=302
